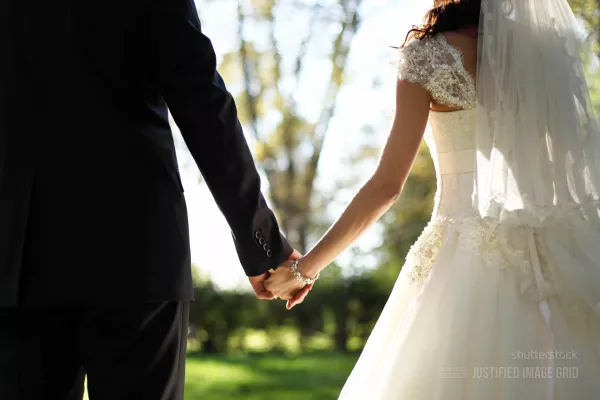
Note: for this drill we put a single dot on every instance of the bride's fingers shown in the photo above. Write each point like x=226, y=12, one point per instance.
x=299, y=297
x=285, y=294
x=282, y=293
x=294, y=302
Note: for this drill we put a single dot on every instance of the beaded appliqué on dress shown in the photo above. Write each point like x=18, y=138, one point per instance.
x=424, y=251
x=498, y=245
x=473, y=235
x=438, y=66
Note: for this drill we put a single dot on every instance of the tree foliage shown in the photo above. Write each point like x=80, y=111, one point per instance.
x=588, y=11
x=289, y=141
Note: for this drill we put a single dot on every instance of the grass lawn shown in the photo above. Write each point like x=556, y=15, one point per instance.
x=306, y=377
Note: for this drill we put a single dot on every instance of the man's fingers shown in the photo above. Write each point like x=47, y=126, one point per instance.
x=266, y=286
x=265, y=295
x=258, y=285
x=295, y=255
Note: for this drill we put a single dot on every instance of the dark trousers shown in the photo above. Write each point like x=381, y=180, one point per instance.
x=129, y=352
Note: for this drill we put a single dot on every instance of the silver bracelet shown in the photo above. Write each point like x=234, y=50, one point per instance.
x=300, y=277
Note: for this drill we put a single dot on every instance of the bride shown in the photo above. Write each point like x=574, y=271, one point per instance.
x=500, y=296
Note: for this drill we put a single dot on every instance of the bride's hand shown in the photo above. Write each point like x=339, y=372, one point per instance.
x=283, y=283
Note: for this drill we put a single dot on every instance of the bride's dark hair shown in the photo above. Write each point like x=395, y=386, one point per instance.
x=446, y=15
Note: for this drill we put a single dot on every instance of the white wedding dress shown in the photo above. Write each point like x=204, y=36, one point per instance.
x=481, y=311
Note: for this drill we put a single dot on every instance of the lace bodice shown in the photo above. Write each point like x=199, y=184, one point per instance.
x=438, y=66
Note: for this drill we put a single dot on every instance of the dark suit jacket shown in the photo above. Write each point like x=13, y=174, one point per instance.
x=91, y=203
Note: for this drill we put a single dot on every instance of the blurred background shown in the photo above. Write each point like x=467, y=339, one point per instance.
x=314, y=85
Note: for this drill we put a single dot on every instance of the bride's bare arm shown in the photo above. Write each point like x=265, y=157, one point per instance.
x=385, y=185
x=373, y=199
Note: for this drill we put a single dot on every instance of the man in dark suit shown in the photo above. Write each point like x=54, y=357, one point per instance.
x=95, y=273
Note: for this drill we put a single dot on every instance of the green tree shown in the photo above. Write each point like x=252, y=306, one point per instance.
x=588, y=11
x=289, y=142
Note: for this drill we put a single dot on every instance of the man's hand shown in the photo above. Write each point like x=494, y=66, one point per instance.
x=258, y=285
x=295, y=255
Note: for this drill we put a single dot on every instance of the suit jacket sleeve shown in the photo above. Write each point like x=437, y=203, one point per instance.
x=205, y=113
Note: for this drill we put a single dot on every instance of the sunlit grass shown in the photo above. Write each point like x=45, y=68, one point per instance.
x=318, y=377
x=306, y=377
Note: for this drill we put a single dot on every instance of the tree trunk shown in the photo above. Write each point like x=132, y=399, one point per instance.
x=209, y=346
x=341, y=333
x=291, y=174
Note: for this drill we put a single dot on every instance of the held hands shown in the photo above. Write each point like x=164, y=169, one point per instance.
x=283, y=284
x=265, y=291
x=258, y=285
